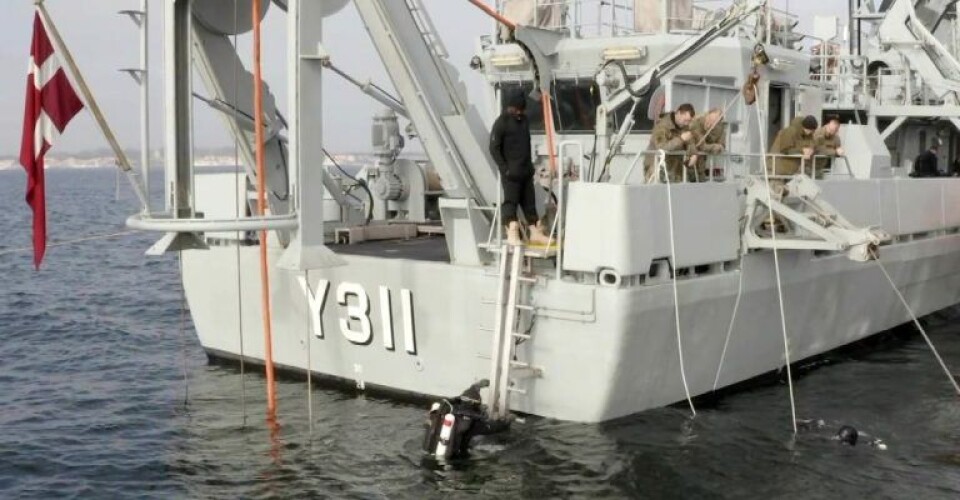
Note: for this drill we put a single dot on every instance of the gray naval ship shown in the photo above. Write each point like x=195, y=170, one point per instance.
x=397, y=277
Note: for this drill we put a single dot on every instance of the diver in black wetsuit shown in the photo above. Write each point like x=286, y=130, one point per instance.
x=847, y=434
x=453, y=423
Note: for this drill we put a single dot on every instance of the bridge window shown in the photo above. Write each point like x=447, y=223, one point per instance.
x=575, y=107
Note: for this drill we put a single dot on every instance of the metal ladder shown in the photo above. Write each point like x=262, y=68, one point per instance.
x=427, y=30
x=512, y=285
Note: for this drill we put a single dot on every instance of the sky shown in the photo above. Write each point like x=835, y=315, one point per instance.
x=103, y=42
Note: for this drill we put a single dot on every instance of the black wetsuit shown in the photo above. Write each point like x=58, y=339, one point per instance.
x=511, y=150
x=925, y=165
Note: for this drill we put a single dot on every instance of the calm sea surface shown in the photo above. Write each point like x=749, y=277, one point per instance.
x=94, y=403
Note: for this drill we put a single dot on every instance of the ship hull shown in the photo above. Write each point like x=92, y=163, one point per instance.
x=604, y=352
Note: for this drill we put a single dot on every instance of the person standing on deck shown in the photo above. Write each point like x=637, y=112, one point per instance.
x=793, y=149
x=511, y=150
x=925, y=165
x=791, y=153
x=672, y=134
x=827, y=144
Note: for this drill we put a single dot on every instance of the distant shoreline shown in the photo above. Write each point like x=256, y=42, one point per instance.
x=200, y=161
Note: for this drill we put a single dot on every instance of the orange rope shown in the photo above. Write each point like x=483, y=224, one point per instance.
x=545, y=93
x=494, y=14
x=262, y=209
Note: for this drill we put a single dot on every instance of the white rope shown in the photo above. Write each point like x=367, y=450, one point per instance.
x=776, y=263
x=116, y=192
x=71, y=242
x=236, y=197
x=661, y=156
x=916, y=322
x=723, y=115
x=182, y=329
x=733, y=319
x=309, y=361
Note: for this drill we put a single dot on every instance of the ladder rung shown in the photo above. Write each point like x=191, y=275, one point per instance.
x=525, y=279
x=518, y=391
x=524, y=308
x=519, y=364
x=522, y=336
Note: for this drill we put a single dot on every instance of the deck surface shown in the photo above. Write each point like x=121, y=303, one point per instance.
x=426, y=248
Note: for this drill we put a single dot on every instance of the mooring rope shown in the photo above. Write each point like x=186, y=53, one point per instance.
x=916, y=322
x=661, y=157
x=733, y=319
x=776, y=263
x=309, y=360
x=182, y=332
x=238, y=214
x=84, y=239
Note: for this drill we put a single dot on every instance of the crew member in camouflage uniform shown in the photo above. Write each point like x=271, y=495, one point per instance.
x=795, y=141
x=710, y=138
x=827, y=144
x=672, y=134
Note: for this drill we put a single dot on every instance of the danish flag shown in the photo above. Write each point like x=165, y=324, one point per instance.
x=51, y=103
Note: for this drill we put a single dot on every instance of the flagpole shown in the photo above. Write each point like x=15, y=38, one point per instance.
x=123, y=163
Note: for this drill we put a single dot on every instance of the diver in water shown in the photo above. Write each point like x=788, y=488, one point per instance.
x=453, y=423
x=846, y=435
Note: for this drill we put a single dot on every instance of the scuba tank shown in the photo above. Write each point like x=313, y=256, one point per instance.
x=452, y=424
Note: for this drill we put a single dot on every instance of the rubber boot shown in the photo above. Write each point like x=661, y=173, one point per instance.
x=536, y=235
x=513, y=234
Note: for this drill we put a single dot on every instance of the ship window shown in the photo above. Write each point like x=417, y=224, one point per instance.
x=534, y=109
x=642, y=122
x=576, y=107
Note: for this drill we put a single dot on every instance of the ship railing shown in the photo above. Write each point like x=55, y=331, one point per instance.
x=724, y=167
x=167, y=224
x=580, y=18
x=843, y=78
x=703, y=14
x=612, y=18
x=777, y=27
x=900, y=87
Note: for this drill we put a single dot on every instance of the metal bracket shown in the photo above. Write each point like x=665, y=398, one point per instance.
x=175, y=242
x=542, y=45
x=137, y=16
x=817, y=225
x=136, y=73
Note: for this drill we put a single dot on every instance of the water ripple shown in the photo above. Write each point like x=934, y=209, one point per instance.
x=93, y=406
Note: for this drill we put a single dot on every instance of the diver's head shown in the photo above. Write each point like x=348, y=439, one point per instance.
x=848, y=435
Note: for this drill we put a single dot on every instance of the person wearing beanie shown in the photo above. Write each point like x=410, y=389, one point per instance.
x=925, y=165
x=512, y=152
x=791, y=154
x=793, y=148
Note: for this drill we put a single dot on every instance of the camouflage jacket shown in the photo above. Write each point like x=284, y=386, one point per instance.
x=825, y=144
x=666, y=136
x=706, y=140
x=790, y=141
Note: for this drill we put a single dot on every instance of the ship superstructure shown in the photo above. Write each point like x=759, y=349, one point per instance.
x=651, y=292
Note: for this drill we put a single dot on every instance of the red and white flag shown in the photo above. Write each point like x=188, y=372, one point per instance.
x=50, y=105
